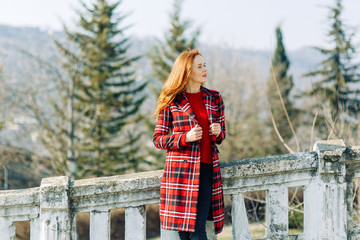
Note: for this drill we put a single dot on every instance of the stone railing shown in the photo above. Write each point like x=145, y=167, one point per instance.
x=326, y=175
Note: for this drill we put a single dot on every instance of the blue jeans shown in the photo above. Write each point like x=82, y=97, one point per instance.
x=203, y=204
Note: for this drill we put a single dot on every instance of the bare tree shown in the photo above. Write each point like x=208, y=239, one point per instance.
x=245, y=108
x=50, y=104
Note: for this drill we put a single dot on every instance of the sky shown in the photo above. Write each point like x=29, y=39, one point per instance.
x=248, y=24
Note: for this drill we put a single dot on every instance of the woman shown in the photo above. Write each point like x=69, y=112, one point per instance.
x=191, y=122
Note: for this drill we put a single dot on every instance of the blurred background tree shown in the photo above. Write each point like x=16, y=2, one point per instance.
x=162, y=57
x=245, y=106
x=279, y=87
x=56, y=122
x=176, y=40
x=334, y=85
x=2, y=122
x=107, y=94
x=97, y=105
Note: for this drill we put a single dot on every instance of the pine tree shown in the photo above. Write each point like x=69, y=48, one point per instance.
x=335, y=80
x=162, y=57
x=281, y=81
x=163, y=54
x=107, y=95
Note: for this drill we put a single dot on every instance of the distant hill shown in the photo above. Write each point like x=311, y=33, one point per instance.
x=15, y=39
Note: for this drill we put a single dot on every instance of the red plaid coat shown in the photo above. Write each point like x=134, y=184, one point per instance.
x=180, y=182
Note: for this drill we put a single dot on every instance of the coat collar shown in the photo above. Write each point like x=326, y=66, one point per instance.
x=184, y=104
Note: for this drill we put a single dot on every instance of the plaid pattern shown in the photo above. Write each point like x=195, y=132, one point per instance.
x=180, y=182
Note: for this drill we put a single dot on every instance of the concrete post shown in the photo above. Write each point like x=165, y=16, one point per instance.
x=35, y=228
x=135, y=223
x=169, y=235
x=7, y=228
x=240, y=224
x=74, y=235
x=277, y=220
x=54, y=209
x=210, y=230
x=174, y=235
x=325, y=205
x=100, y=225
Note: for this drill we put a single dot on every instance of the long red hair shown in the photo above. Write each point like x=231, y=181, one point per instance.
x=177, y=79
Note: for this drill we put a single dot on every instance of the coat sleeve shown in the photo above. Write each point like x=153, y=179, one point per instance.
x=162, y=139
x=221, y=120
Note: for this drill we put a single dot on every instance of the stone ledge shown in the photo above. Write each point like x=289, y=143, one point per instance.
x=121, y=183
x=18, y=197
x=271, y=165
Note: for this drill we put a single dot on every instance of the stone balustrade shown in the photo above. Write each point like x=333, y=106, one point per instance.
x=326, y=175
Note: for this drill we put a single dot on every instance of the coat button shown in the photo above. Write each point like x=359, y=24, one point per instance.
x=185, y=161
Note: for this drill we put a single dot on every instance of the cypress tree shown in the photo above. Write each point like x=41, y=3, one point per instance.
x=334, y=82
x=107, y=95
x=281, y=82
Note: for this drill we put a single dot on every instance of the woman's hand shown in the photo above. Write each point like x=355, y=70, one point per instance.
x=215, y=129
x=194, y=134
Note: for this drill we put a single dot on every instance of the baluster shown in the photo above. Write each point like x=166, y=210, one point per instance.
x=240, y=224
x=99, y=225
x=7, y=228
x=74, y=235
x=169, y=235
x=35, y=228
x=349, y=204
x=277, y=213
x=174, y=235
x=210, y=230
x=135, y=223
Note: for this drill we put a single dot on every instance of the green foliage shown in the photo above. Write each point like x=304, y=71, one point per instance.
x=107, y=95
x=334, y=80
x=296, y=218
x=280, y=81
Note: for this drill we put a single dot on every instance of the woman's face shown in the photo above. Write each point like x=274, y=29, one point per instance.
x=198, y=71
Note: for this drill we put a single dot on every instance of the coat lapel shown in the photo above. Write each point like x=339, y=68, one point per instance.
x=208, y=102
x=185, y=106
